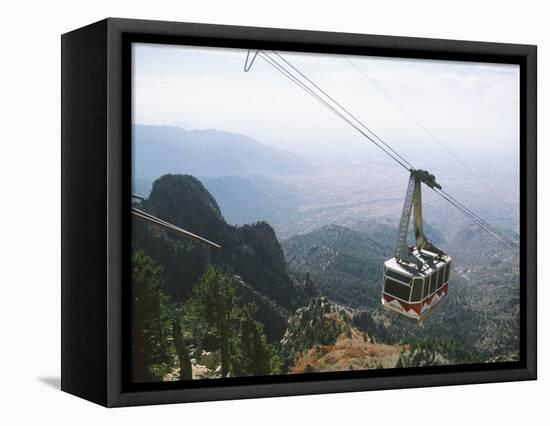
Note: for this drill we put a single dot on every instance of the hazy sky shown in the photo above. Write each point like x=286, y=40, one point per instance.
x=473, y=108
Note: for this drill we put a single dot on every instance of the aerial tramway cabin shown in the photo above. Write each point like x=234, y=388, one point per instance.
x=411, y=291
x=416, y=279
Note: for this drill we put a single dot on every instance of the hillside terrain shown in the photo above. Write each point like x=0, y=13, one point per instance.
x=315, y=296
x=484, y=298
x=303, y=245
x=345, y=264
x=321, y=337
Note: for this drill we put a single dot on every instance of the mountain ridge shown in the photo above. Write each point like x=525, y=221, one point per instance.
x=160, y=150
x=251, y=251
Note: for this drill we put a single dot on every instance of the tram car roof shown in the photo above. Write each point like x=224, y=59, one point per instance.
x=432, y=262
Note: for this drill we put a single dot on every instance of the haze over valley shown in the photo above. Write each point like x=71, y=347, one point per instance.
x=297, y=193
x=307, y=238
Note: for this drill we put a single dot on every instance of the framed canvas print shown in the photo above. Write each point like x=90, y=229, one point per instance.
x=252, y=212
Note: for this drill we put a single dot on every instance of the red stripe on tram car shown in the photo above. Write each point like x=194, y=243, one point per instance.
x=417, y=307
x=441, y=293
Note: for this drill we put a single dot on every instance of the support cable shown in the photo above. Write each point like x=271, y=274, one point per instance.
x=507, y=242
x=346, y=111
x=289, y=71
x=280, y=68
x=423, y=127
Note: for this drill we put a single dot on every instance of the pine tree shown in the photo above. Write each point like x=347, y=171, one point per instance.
x=214, y=302
x=151, y=327
x=252, y=355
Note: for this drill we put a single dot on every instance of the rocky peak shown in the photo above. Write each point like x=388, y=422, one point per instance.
x=184, y=201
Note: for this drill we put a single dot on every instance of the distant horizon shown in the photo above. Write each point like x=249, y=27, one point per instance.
x=480, y=156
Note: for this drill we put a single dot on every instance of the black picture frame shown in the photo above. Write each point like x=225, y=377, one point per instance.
x=96, y=132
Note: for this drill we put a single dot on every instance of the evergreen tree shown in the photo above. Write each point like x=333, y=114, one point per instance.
x=151, y=314
x=252, y=355
x=214, y=302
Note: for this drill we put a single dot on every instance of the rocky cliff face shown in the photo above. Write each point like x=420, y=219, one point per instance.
x=184, y=201
x=252, y=251
x=256, y=255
